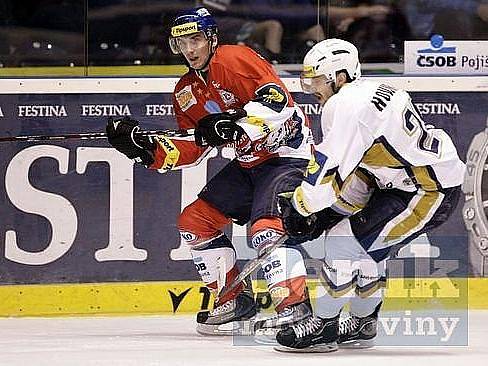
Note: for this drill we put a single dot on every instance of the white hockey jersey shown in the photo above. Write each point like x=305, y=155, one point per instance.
x=374, y=128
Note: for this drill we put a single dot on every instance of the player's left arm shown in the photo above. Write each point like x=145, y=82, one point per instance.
x=334, y=159
x=269, y=105
x=268, y=111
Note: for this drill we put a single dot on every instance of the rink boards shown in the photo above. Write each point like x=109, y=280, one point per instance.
x=179, y=297
x=83, y=231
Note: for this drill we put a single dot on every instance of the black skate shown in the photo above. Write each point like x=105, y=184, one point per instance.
x=356, y=332
x=228, y=318
x=265, y=330
x=313, y=334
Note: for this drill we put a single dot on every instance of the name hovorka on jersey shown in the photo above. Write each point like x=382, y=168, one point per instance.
x=387, y=137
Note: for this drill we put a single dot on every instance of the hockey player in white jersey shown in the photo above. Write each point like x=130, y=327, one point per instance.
x=378, y=179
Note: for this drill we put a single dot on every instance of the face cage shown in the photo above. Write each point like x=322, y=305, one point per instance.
x=310, y=85
x=175, y=48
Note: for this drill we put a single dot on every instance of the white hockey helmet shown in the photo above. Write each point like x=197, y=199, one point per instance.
x=327, y=58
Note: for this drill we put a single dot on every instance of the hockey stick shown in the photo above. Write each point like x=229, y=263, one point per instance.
x=252, y=265
x=93, y=136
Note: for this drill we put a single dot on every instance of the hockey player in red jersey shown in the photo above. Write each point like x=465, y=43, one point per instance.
x=231, y=96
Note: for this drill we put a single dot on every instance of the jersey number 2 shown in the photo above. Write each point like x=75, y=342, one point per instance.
x=426, y=141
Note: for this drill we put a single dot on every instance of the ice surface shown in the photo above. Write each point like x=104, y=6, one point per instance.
x=171, y=340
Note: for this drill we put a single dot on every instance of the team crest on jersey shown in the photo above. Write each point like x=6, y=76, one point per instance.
x=185, y=98
x=272, y=96
x=227, y=97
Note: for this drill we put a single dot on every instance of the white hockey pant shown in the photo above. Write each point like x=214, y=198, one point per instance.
x=349, y=275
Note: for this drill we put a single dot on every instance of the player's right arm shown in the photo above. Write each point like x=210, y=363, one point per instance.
x=173, y=153
x=162, y=153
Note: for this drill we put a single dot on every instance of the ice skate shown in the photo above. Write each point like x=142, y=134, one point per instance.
x=312, y=335
x=356, y=332
x=227, y=318
x=265, y=330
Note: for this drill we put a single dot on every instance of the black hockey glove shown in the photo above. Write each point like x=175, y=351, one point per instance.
x=121, y=133
x=217, y=129
x=301, y=228
x=327, y=219
x=295, y=224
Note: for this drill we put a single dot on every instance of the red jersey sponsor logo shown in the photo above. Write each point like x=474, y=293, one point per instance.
x=185, y=98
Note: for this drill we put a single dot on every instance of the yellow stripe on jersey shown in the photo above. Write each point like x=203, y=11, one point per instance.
x=300, y=204
x=313, y=167
x=379, y=156
x=424, y=179
x=331, y=179
x=366, y=179
x=422, y=211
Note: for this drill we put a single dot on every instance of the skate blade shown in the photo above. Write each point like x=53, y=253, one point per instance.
x=316, y=348
x=266, y=337
x=237, y=328
x=357, y=344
